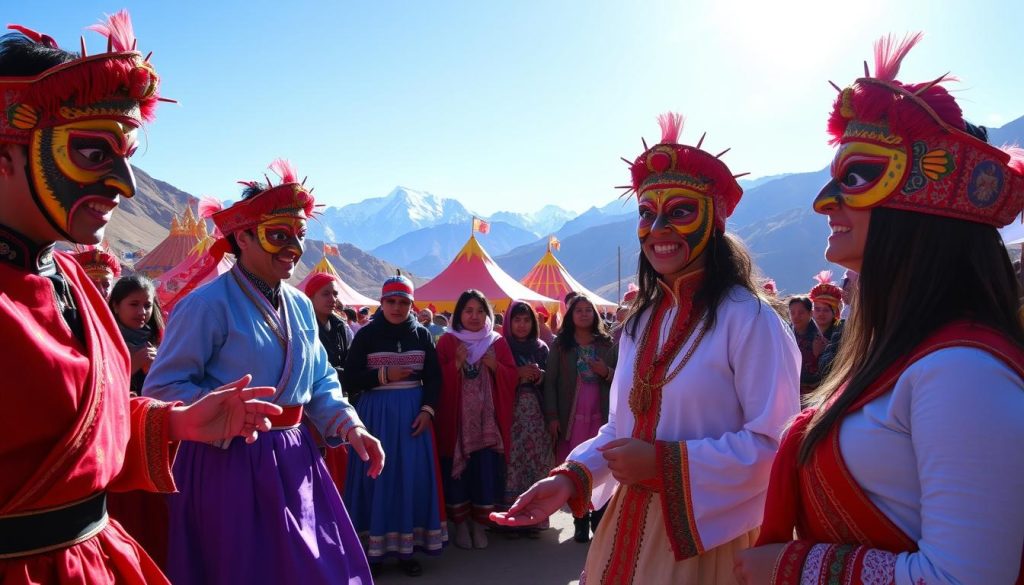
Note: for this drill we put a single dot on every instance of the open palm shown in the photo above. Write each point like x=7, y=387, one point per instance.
x=543, y=499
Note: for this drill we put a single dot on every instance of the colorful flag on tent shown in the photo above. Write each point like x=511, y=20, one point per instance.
x=481, y=226
x=554, y=244
x=331, y=250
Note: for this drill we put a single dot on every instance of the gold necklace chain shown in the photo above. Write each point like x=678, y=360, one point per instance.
x=640, y=398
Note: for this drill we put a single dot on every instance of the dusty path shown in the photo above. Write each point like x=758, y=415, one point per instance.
x=553, y=559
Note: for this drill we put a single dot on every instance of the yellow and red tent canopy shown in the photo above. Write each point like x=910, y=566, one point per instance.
x=550, y=278
x=473, y=267
x=346, y=294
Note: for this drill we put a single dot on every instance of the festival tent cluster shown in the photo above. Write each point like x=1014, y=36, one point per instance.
x=473, y=267
x=550, y=278
x=186, y=232
x=346, y=294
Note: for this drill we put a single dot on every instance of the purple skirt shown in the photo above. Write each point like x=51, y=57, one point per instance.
x=261, y=513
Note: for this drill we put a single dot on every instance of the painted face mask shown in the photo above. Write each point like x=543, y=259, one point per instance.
x=686, y=212
x=80, y=167
x=283, y=233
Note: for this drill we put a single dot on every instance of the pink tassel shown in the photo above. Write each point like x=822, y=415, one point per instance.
x=671, y=126
x=824, y=277
x=284, y=169
x=119, y=31
x=889, y=55
x=208, y=206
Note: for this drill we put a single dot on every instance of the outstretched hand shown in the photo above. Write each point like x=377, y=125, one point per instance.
x=368, y=448
x=543, y=499
x=232, y=410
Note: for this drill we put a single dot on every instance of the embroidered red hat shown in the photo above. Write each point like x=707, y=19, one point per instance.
x=290, y=198
x=827, y=292
x=96, y=262
x=915, y=136
x=670, y=164
x=397, y=286
x=118, y=84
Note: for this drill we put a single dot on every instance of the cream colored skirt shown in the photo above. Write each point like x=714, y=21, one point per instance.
x=655, y=564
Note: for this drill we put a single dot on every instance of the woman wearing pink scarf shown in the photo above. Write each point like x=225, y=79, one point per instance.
x=474, y=416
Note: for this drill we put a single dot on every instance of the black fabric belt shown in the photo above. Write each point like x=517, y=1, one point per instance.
x=53, y=529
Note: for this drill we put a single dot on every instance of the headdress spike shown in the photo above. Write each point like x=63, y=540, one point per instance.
x=81, y=41
x=701, y=141
x=839, y=89
x=867, y=72
x=719, y=155
x=626, y=160
x=740, y=175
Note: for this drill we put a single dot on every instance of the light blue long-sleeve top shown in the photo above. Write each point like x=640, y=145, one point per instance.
x=226, y=329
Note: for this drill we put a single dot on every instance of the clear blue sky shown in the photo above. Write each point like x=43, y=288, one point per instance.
x=513, y=105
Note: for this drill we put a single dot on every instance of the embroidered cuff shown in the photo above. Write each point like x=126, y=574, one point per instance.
x=382, y=375
x=676, y=500
x=159, y=450
x=427, y=409
x=846, y=563
x=583, y=483
x=789, y=566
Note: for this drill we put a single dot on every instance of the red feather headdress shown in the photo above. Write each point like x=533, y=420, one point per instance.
x=949, y=172
x=827, y=292
x=118, y=84
x=671, y=164
x=289, y=198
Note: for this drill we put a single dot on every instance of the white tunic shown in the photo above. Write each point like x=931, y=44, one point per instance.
x=729, y=405
x=942, y=456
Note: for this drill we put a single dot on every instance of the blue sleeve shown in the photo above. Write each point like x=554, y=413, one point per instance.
x=194, y=334
x=327, y=408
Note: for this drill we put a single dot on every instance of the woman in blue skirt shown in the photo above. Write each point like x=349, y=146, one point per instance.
x=392, y=367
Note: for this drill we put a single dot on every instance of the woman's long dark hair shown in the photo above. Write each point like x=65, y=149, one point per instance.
x=567, y=333
x=461, y=304
x=919, y=273
x=134, y=283
x=728, y=265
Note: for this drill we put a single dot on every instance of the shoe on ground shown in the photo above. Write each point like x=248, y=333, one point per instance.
x=462, y=538
x=479, y=536
x=410, y=567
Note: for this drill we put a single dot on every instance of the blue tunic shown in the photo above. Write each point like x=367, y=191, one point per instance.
x=271, y=503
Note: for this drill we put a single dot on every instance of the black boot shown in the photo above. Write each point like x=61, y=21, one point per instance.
x=595, y=518
x=582, y=526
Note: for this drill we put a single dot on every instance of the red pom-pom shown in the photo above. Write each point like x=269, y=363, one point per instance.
x=660, y=162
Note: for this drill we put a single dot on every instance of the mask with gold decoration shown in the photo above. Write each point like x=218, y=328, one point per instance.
x=906, y=146
x=682, y=188
x=277, y=214
x=78, y=121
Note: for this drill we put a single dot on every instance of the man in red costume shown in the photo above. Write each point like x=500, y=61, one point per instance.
x=70, y=433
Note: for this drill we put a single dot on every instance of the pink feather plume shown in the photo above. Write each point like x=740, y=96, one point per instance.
x=824, y=277
x=119, y=31
x=632, y=287
x=284, y=169
x=889, y=54
x=208, y=206
x=1016, y=157
x=671, y=127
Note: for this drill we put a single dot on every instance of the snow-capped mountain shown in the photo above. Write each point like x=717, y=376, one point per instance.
x=548, y=220
x=379, y=220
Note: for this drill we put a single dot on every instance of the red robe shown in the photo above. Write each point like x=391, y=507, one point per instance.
x=449, y=411
x=822, y=502
x=68, y=429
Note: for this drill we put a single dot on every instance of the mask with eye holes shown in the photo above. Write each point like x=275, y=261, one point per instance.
x=80, y=167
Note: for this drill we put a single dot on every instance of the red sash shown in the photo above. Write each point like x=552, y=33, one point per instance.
x=820, y=499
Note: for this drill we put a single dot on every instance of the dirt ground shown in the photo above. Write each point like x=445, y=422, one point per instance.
x=553, y=559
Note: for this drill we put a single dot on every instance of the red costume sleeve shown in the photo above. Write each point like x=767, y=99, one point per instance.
x=446, y=421
x=149, y=454
x=506, y=378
